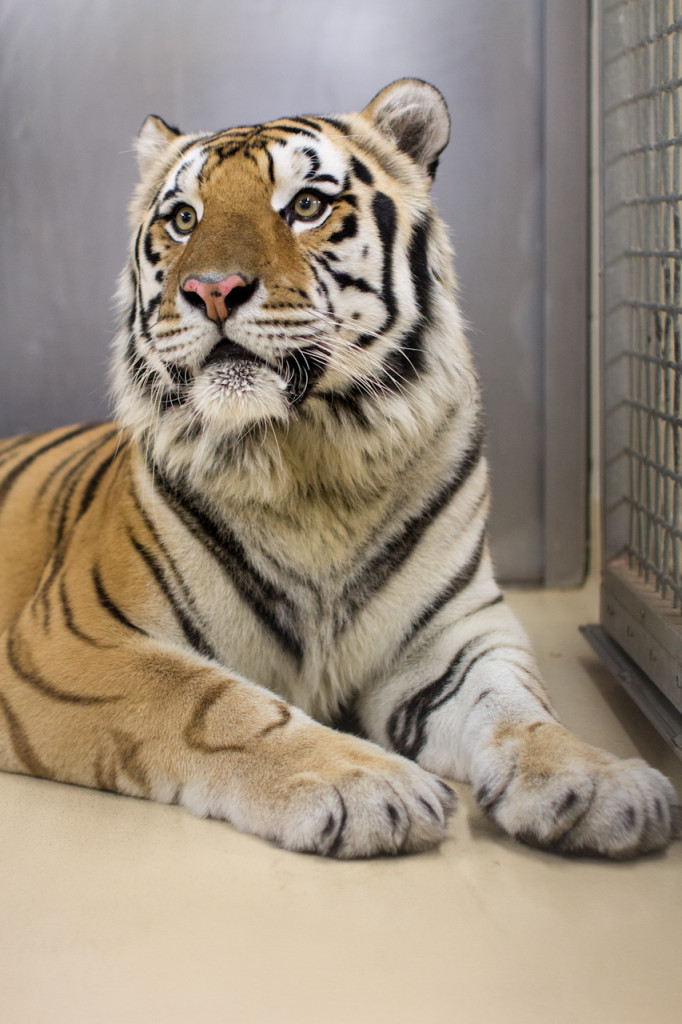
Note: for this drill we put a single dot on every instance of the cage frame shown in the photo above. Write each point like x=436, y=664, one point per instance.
x=640, y=362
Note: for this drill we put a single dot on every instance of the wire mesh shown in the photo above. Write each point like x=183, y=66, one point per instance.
x=642, y=87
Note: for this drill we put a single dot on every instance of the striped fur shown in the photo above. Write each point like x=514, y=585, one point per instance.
x=286, y=529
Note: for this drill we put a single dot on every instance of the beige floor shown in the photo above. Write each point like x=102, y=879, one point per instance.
x=115, y=910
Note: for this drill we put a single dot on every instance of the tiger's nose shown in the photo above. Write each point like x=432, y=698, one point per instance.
x=218, y=297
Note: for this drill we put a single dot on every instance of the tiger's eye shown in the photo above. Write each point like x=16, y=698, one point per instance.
x=184, y=219
x=308, y=206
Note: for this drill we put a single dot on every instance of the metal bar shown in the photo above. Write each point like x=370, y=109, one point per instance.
x=649, y=147
x=670, y=474
x=646, y=95
x=654, y=253
x=566, y=290
x=651, y=38
x=657, y=307
x=667, y=417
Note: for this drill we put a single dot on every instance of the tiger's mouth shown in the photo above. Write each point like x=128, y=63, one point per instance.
x=232, y=367
x=227, y=351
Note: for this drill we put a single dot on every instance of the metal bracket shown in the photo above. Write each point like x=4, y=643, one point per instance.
x=648, y=698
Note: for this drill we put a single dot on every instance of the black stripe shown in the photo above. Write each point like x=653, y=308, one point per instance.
x=132, y=313
x=67, y=489
x=70, y=623
x=284, y=712
x=408, y=722
x=498, y=599
x=152, y=256
x=42, y=595
x=223, y=153
x=147, y=381
x=385, y=216
x=335, y=123
x=490, y=804
x=146, y=313
x=308, y=122
x=168, y=399
x=193, y=732
x=133, y=360
x=272, y=606
x=408, y=361
x=109, y=606
x=95, y=480
x=177, y=576
x=386, y=562
x=301, y=371
x=249, y=155
x=344, y=280
x=14, y=473
x=20, y=744
x=338, y=838
x=322, y=289
x=8, y=448
x=402, y=365
x=346, y=197
x=63, y=463
x=348, y=281
x=271, y=165
x=138, y=273
x=314, y=162
x=290, y=129
x=348, y=229
x=458, y=583
x=19, y=661
x=560, y=842
x=361, y=171
x=347, y=405
x=128, y=750
x=72, y=478
x=347, y=719
x=418, y=256
x=192, y=633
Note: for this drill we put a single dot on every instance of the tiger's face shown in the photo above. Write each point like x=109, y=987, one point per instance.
x=282, y=267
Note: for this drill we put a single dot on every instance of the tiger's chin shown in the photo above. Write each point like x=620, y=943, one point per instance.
x=231, y=396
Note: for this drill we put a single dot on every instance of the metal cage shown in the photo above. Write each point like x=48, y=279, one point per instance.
x=641, y=87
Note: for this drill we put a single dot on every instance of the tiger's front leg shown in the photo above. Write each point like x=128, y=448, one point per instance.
x=482, y=715
x=153, y=721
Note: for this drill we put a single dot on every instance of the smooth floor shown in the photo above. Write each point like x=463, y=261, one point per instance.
x=117, y=911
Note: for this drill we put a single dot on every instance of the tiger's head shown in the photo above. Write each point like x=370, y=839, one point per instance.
x=285, y=274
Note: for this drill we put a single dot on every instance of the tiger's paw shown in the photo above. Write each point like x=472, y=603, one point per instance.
x=546, y=787
x=363, y=802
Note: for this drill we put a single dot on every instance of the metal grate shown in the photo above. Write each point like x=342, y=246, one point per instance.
x=643, y=233
x=641, y=79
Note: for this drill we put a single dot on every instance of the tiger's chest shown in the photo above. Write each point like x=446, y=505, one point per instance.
x=279, y=600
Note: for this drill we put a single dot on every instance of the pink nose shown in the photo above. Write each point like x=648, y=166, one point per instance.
x=214, y=294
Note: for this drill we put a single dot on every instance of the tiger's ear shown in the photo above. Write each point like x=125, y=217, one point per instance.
x=153, y=144
x=414, y=115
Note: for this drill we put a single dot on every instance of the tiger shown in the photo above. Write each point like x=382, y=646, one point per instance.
x=264, y=592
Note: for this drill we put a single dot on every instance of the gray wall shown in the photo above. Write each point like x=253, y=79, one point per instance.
x=77, y=79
